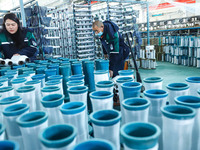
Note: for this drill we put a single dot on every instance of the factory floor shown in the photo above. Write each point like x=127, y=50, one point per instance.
x=170, y=73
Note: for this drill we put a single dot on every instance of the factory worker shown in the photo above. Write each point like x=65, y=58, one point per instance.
x=15, y=40
x=113, y=45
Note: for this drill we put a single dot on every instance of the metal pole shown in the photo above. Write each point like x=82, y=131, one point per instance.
x=22, y=13
x=108, y=18
x=148, y=39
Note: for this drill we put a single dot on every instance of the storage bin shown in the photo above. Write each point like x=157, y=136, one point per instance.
x=51, y=103
x=60, y=137
x=101, y=100
x=18, y=82
x=178, y=123
x=95, y=144
x=177, y=89
x=76, y=68
x=9, y=145
x=135, y=109
x=75, y=83
x=75, y=114
x=77, y=77
x=40, y=77
x=30, y=125
x=30, y=73
x=126, y=73
x=101, y=75
x=101, y=64
x=7, y=101
x=26, y=76
x=119, y=81
x=6, y=91
x=158, y=98
x=89, y=75
x=131, y=89
x=105, y=86
x=27, y=93
x=140, y=136
x=194, y=84
x=9, y=77
x=50, y=90
x=50, y=72
x=106, y=125
x=54, y=66
x=55, y=83
x=153, y=83
x=65, y=71
x=38, y=95
x=12, y=129
x=78, y=93
x=193, y=102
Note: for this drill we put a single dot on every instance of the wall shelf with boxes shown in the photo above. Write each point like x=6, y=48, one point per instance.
x=182, y=50
x=180, y=31
x=171, y=24
x=175, y=43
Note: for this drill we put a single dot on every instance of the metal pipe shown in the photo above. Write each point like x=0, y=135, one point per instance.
x=4, y=11
x=107, y=17
x=86, y=55
x=82, y=6
x=22, y=13
x=56, y=46
x=51, y=28
x=56, y=37
x=148, y=38
x=77, y=20
x=84, y=51
x=85, y=46
x=84, y=38
x=85, y=42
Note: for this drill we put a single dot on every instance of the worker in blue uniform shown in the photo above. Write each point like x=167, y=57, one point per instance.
x=15, y=40
x=113, y=45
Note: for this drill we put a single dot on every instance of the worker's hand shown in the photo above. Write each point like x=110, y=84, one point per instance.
x=16, y=54
x=111, y=73
x=106, y=56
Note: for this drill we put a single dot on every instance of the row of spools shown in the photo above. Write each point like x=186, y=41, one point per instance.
x=35, y=116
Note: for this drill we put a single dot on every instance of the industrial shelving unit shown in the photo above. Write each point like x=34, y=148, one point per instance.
x=176, y=40
x=116, y=15
x=83, y=31
x=61, y=29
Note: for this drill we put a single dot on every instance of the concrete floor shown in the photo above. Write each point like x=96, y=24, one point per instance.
x=170, y=73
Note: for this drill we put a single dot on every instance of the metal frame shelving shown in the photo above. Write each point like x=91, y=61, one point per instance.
x=84, y=39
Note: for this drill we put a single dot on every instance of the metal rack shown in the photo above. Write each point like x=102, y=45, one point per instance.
x=116, y=15
x=182, y=50
x=84, y=38
x=61, y=32
x=173, y=23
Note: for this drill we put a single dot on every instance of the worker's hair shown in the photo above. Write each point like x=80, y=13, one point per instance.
x=97, y=23
x=17, y=38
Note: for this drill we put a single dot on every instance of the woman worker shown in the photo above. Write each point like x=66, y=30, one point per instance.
x=15, y=40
